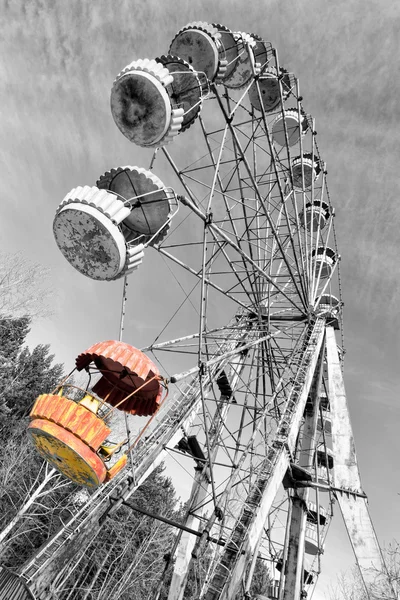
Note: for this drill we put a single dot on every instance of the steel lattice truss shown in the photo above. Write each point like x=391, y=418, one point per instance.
x=255, y=400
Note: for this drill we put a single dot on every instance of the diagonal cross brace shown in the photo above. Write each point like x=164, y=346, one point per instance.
x=249, y=526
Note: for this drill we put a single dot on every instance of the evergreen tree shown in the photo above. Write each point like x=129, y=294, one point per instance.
x=12, y=336
x=26, y=482
x=126, y=559
x=24, y=374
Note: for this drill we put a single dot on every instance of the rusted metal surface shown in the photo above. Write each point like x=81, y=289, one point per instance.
x=244, y=63
x=73, y=417
x=67, y=453
x=141, y=107
x=124, y=369
x=346, y=476
x=117, y=467
x=200, y=45
x=90, y=241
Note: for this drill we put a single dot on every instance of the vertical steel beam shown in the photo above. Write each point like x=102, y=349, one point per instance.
x=350, y=496
x=198, y=495
x=293, y=576
x=249, y=526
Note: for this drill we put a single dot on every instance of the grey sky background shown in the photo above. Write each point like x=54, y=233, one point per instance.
x=59, y=59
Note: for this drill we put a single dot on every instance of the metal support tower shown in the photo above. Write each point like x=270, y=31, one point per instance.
x=259, y=407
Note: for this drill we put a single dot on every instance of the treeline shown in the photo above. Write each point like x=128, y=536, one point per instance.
x=130, y=555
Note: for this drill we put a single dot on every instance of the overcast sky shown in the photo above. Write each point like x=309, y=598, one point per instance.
x=59, y=59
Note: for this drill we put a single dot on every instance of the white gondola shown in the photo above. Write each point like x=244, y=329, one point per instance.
x=316, y=214
x=86, y=230
x=268, y=84
x=305, y=166
x=245, y=65
x=295, y=127
x=262, y=50
x=324, y=466
x=141, y=106
x=313, y=512
x=151, y=207
x=324, y=260
x=201, y=46
x=312, y=545
x=103, y=231
x=231, y=49
x=328, y=304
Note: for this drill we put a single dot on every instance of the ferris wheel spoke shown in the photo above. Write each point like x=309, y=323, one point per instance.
x=260, y=199
x=288, y=172
x=246, y=276
x=278, y=173
x=223, y=190
x=226, y=355
x=246, y=229
x=211, y=334
x=221, y=233
x=198, y=275
x=211, y=225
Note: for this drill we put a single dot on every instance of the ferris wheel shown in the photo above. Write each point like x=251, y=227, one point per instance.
x=249, y=393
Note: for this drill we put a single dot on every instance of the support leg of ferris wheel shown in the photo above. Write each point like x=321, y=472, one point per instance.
x=200, y=491
x=347, y=483
x=230, y=570
x=292, y=568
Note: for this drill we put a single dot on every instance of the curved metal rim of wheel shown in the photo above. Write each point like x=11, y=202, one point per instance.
x=89, y=241
x=67, y=453
x=145, y=179
x=141, y=106
x=208, y=57
x=188, y=97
